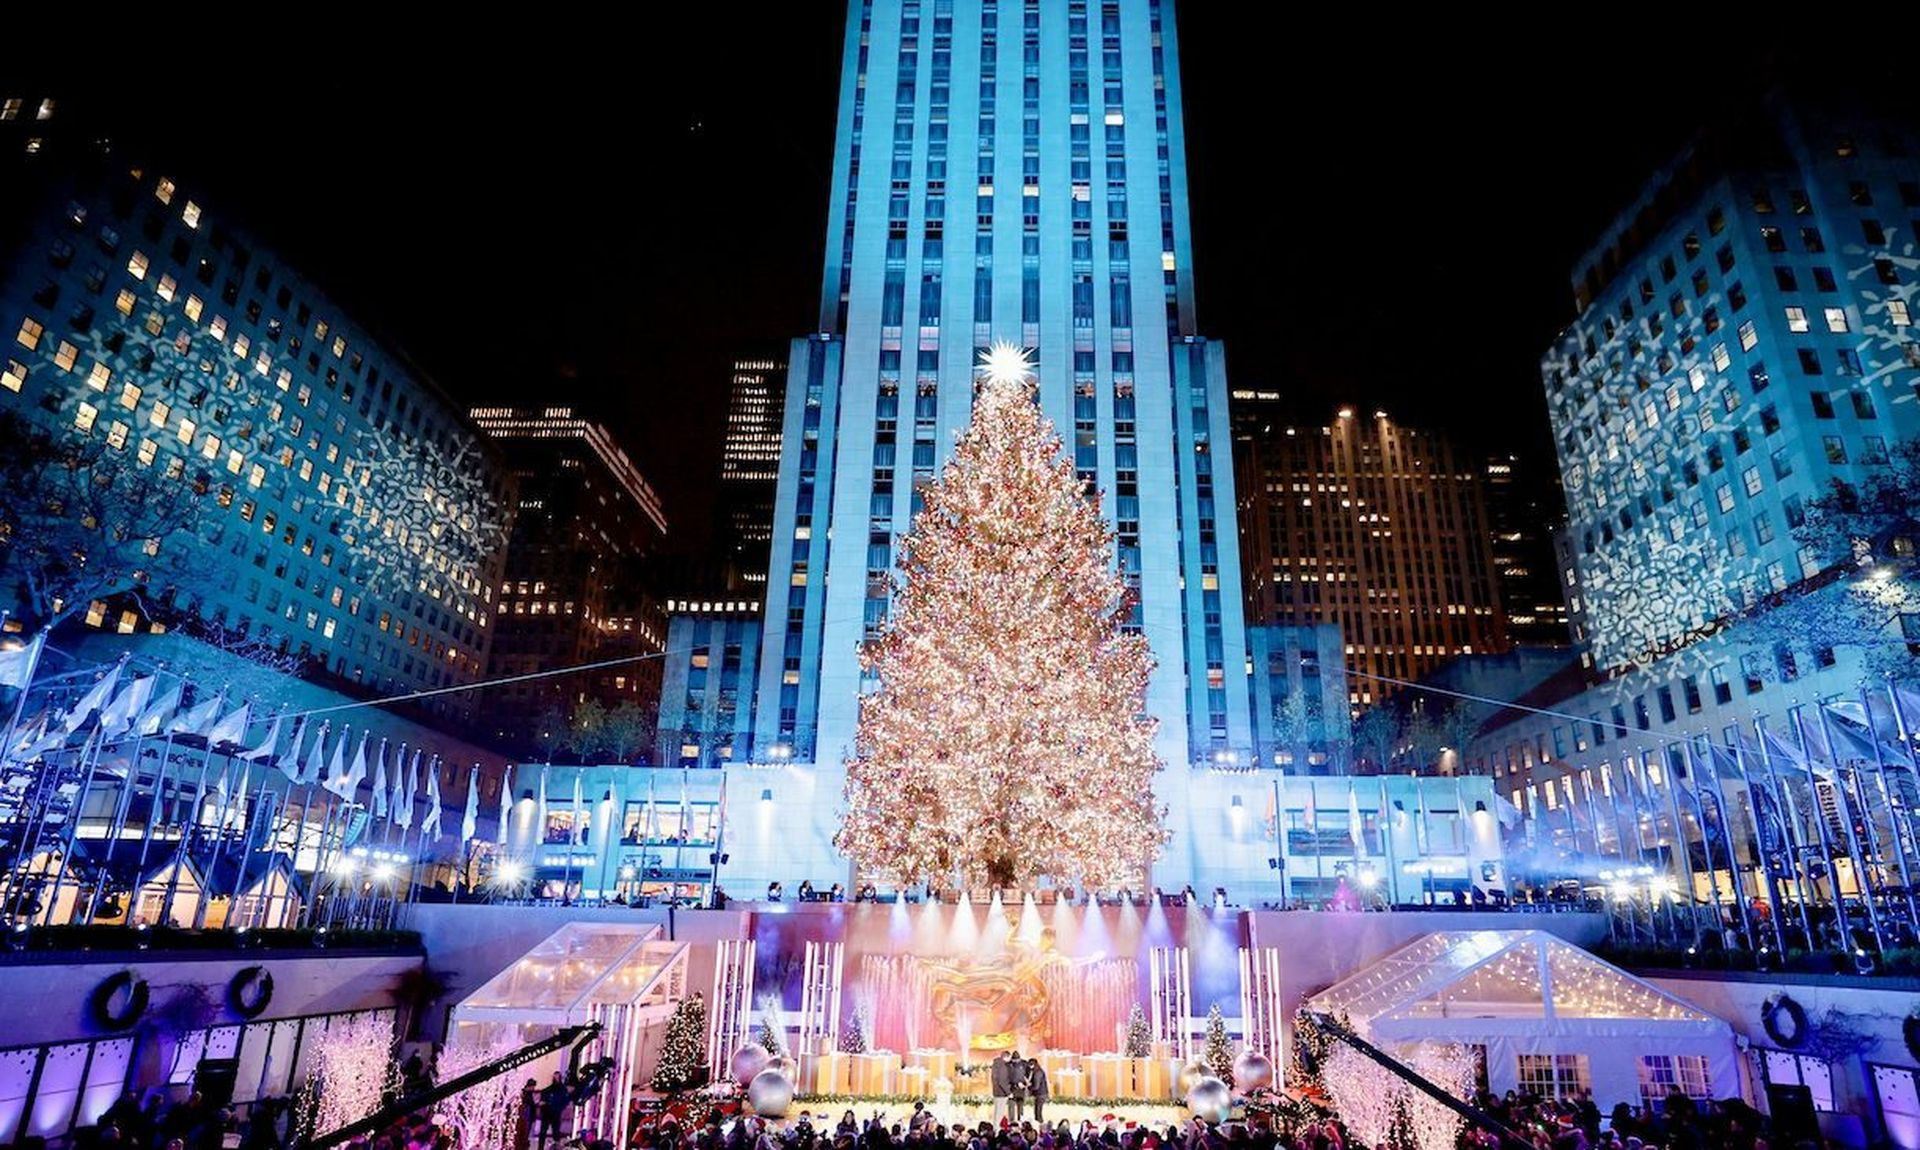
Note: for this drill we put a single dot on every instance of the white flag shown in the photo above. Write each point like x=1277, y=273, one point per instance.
x=470, y=822
x=127, y=706
x=403, y=791
x=316, y=759
x=506, y=805
x=30, y=733
x=158, y=712
x=380, y=782
x=265, y=749
x=239, y=810
x=337, y=768
x=199, y=720
x=540, y=812
x=229, y=731
x=357, y=772
x=90, y=702
x=574, y=835
x=16, y=666
x=289, y=762
x=431, y=824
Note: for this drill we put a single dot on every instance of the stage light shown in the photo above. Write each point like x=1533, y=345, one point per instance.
x=384, y=872
x=1367, y=878
x=1623, y=892
x=510, y=872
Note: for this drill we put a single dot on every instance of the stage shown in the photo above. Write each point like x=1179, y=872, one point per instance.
x=971, y=1111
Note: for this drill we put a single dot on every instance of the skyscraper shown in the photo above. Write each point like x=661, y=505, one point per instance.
x=1520, y=511
x=1006, y=170
x=342, y=509
x=750, y=467
x=1377, y=527
x=571, y=591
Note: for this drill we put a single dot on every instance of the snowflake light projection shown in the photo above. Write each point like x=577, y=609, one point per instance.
x=427, y=517
x=1379, y=1108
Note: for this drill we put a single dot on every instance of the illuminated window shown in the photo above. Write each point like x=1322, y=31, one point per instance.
x=1836, y=319
x=1721, y=360
x=66, y=356
x=339, y=346
x=161, y=412
x=190, y=215
x=211, y=448
x=256, y=475
x=100, y=376
x=15, y=376
x=194, y=308
x=10, y=108
x=241, y=343
x=285, y=378
x=186, y=430
x=129, y=396
x=46, y=110
x=117, y=435
x=165, y=288
x=147, y=451
x=1554, y=1075
x=83, y=418
x=1797, y=319
x=1897, y=312
x=137, y=265
x=30, y=333
x=320, y=329
x=163, y=191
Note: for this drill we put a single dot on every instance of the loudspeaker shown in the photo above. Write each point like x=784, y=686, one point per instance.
x=1792, y=1110
x=214, y=1078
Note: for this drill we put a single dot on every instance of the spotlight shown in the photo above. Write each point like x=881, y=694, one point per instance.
x=17, y=936
x=242, y=938
x=320, y=939
x=143, y=936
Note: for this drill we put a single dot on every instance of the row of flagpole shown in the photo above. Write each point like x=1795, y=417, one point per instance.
x=121, y=709
x=1856, y=758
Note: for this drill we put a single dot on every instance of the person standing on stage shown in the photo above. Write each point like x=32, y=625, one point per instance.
x=1037, y=1090
x=1017, y=1086
x=1000, y=1079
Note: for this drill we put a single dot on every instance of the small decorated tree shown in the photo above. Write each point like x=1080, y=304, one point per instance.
x=770, y=1028
x=1139, y=1039
x=1218, y=1054
x=683, y=1051
x=853, y=1038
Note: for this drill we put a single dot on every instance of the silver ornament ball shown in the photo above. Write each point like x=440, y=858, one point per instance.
x=770, y=1094
x=1210, y=1100
x=1190, y=1076
x=1252, y=1071
x=747, y=1061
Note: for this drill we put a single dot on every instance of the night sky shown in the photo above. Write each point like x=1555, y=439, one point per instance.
x=581, y=215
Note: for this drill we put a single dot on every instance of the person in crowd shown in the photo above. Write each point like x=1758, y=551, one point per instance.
x=554, y=1097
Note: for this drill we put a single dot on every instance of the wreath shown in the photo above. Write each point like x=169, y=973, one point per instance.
x=1910, y=1030
x=100, y=1003
x=250, y=991
x=1795, y=1032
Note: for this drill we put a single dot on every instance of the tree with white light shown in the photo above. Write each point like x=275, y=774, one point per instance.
x=1005, y=743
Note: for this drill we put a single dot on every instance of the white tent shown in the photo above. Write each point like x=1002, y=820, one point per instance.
x=1548, y=1016
x=623, y=976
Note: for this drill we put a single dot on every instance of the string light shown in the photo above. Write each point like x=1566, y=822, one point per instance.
x=1005, y=743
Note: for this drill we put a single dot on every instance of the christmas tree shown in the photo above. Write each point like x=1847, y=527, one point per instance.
x=1139, y=1041
x=683, y=1050
x=770, y=1027
x=853, y=1039
x=1218, y=1054
x=1005, y=743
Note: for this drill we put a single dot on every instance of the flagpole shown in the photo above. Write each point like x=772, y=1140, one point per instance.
x=87, y=764
x=1894, y=809
x=1722, y=922
x=1841, y=918
x=1862, y=874
x=220, y=836
x=1612, y=785
x=1876, y=855
x=116, y=826
x=1802, y=880
x=1684, y=846
x=38, y=646
x=180, y=845
x=1279, y=833
x=24, y=859
x=1386, y=844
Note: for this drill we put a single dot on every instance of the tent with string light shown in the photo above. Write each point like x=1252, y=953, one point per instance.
x=1548, y=1016
x=624, y=976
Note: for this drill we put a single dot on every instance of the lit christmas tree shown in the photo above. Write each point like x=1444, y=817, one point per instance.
x=1218, y=1054
x=771, y=1028
x=683, y=1050
x=853, y=1039
x=1139, y=1041
x=1005, y=743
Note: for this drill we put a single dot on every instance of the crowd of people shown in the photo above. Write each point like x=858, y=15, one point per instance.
x=1677, y=1123
x=1019, y=1123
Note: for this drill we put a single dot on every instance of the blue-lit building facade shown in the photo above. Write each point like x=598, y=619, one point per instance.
x=1005, y=170
x=1744, y=339
x=137, y=318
